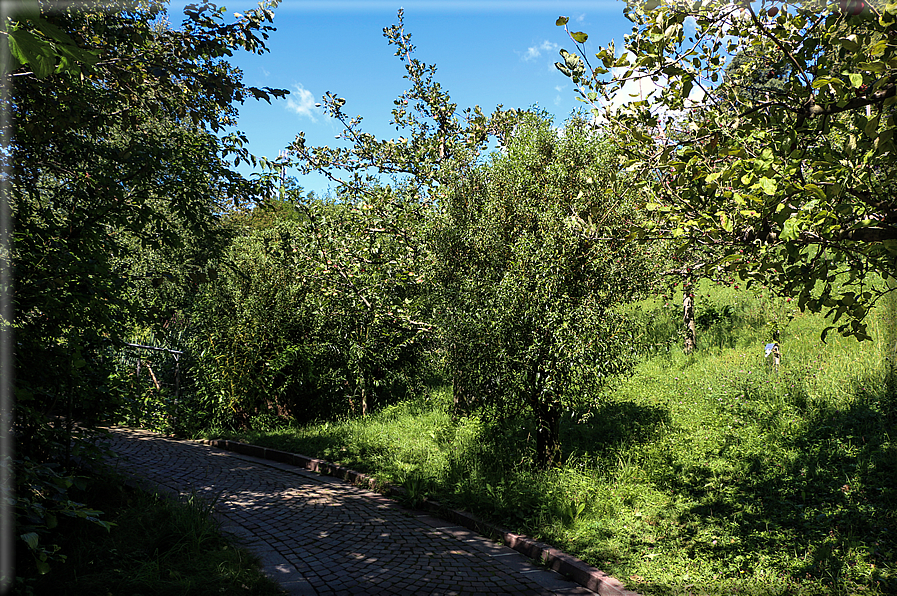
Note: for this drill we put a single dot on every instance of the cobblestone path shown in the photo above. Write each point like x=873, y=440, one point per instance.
x=319, y=535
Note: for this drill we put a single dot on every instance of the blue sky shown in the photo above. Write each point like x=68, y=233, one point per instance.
x=488, y=52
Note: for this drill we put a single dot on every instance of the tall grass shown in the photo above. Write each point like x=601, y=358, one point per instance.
x=708, y=473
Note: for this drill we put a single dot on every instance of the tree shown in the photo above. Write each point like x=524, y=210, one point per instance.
x=439, y=143
x=113, y=143
x=372, y=248
x=530, y=272
x=312, y=313
x=791, y=183
x=515, y=289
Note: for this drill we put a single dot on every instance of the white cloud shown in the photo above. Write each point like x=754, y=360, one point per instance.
x=581, y=18
x=302, y=102
x=536, y=51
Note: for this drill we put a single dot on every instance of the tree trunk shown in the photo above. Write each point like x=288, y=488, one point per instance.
x=548, y=431
x=688, y=316
x=889, y=345
x=459, y=393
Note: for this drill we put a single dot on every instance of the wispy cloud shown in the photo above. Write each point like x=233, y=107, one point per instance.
x=536, y=50
x=302, y=102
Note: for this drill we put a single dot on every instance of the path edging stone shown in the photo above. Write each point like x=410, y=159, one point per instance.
x=576, y=569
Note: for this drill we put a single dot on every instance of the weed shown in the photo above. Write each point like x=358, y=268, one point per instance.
x=417, y=488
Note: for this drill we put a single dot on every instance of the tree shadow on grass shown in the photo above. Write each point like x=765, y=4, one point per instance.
x=827, y=493
x=494, y=473
x=614, y=426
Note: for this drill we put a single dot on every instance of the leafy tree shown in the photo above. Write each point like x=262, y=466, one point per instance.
x=252, y=332
x=528, y=262
x=107, y=157
x=438, y=145
x=113, y=146
x=367, y=248
x=312, y=312
x=519, y=290
x=372, y=247
x=792, y=183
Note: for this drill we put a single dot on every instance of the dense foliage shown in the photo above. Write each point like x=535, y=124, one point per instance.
x=529, y=271
x=767, y=135
x=311, y=314
x=158, y=286
x=709, y=473
x=114, y=155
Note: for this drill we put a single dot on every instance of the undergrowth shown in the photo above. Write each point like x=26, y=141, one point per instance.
x=156, y=546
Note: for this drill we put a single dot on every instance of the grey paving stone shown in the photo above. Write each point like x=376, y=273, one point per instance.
x=319, y=535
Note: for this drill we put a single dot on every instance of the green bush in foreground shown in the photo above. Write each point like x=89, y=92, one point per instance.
x=156, y=545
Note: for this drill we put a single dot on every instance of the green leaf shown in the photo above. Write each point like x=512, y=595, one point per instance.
x=579, y=36
x=849, y=43
x=871, y=128
x=856, y=80
x=725, y=222
x=28, y=49
x=9, y=64
x=876, y=67
x=816, y=190
x=790, y=230
x=561, y=21
x=52, y=31
x=768, y=185
x=31, y=539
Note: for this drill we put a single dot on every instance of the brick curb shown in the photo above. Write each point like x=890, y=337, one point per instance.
x=559, y=561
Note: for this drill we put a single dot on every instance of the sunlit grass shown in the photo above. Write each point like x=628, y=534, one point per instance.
x=707, y=473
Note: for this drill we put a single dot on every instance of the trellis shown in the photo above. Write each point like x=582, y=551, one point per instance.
x=142, y=362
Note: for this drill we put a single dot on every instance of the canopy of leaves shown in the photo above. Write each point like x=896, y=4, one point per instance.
x=312, y=314
x=768, y=138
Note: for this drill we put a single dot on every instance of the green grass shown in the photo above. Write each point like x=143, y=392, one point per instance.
x=157, y=547
x=710, y=473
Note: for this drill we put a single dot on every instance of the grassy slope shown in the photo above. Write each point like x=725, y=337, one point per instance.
x=702, y=474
